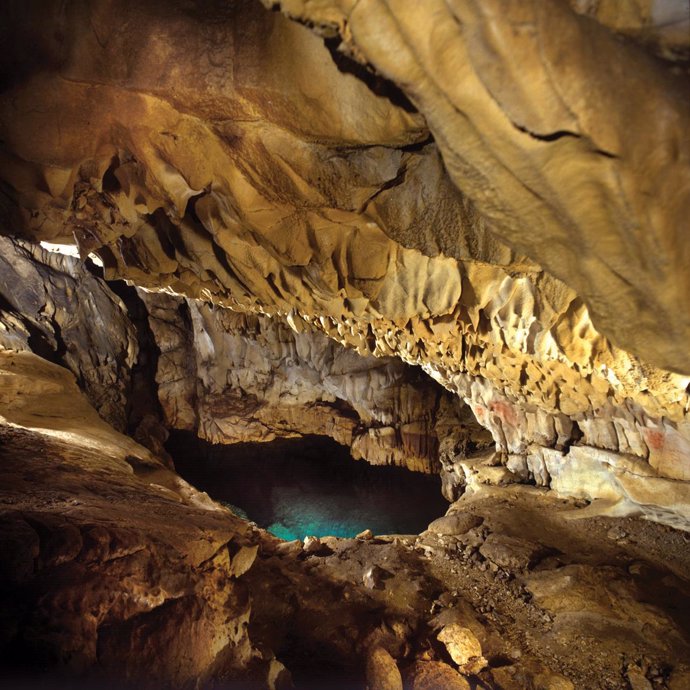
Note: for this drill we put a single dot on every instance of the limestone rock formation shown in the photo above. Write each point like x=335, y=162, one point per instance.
x=234, y=377
x=111, y=563
x=239, y=159
x=51, y=305
x=451, y=235
x=564, y=159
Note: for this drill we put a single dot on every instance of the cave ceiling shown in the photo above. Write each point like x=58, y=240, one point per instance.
x=450, y=235
x=411, y=180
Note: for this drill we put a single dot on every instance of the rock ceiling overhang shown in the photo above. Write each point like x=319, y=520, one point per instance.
x=228, y=153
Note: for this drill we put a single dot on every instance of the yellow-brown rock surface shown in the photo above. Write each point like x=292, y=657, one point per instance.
x=230, y=154
x=496, y=192
x=233, y=377
x=111, y=563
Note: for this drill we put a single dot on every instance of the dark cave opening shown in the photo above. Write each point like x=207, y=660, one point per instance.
x=308, y=486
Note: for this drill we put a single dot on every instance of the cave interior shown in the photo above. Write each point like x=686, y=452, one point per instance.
x=344, y=344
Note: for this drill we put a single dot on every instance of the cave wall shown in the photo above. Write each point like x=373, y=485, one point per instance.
x=111, y=563
x=231, y=155
x=450, y=235
x=234, y=377
x=52, y=305
x=227, y=376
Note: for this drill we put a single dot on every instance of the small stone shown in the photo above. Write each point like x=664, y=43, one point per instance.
x=366, y=534
x=382, y=671
x=464, y=648
x=289, y=548
x=374, y=577
x=434, y=675
x=617, y=533
x=312, y=544
x=638, y=680
x=456, y=523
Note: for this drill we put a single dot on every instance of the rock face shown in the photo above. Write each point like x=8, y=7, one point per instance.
x=53, y=306
x=111, y=564
x=273, y=174
x=450, y=235
x=548, y=148
x=234, y=377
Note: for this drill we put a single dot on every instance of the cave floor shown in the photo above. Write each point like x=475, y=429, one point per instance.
x=556, y=600
x=113, y=564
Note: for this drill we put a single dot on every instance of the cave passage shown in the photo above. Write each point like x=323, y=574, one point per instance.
x=308, y=486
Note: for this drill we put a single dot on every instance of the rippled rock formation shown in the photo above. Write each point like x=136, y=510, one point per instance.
x=277, y=177
x=449, y=235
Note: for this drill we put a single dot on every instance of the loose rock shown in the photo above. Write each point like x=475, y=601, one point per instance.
x=382, y=671
x=464, y=648
x=374, y=577
x=434, y=675
x=510, y=552
x=456, y=523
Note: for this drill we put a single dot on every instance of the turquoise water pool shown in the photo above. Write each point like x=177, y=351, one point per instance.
x=311, y=486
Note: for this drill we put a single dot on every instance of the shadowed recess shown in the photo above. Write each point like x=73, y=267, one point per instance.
x=308, y=486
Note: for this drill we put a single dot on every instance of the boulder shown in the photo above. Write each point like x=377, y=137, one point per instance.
x=382, y=671
x=455, y=523
x=463, y=647
x=510, y=553
x=435, y=675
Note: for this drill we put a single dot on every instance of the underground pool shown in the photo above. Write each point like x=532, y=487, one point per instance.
x=308, y=486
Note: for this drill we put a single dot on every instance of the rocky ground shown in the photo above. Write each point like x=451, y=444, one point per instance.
x=113, y=566
x=512, y=589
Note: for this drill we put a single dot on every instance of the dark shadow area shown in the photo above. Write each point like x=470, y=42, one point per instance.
x=379, y=85
x=308, y=486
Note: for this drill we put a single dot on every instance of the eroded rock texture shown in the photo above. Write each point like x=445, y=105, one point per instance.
x=565, y=159
x=233, y=155
x=321, y=206
x=53, y=306
x=233, y=377
x=111, y=564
